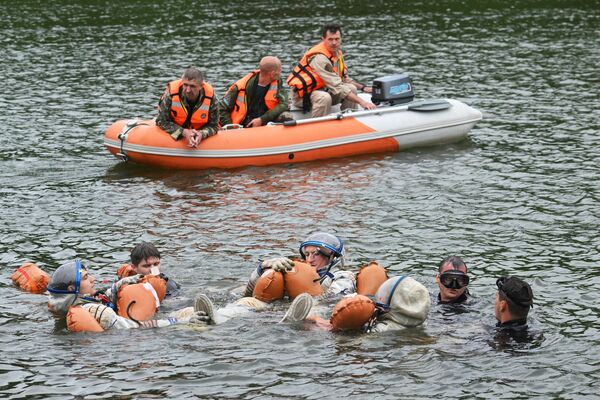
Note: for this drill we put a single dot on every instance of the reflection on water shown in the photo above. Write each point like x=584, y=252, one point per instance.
x=519, y=197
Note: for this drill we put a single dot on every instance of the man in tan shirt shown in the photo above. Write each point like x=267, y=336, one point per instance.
x=320, y=79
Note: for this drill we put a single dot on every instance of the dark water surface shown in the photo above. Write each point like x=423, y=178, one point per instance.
x=520, y=196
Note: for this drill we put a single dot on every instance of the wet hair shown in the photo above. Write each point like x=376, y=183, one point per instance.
x=143, y=251
x=456, y=262
x=331, y=27
x=193, y=74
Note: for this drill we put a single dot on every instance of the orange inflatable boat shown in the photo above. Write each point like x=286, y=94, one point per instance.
x=385, y=129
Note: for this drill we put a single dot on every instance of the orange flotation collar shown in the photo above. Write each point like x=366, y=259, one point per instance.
x=31, y=278
x=302, y=279
x=369, y=278
x=80, y=320
x=138, y=302
x=351, y=313
x=270, y=286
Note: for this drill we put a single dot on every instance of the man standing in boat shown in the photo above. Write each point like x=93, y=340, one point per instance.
x=257, y=98
x=188, y=108
x=321, y=79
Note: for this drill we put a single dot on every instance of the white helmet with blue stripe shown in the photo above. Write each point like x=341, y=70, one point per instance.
x=330, y=246
x=403, y=300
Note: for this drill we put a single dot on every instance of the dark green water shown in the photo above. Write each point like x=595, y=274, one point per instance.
x=520, y=196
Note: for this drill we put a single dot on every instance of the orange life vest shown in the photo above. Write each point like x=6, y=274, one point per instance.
x=179, y=113
x=125, y=270
x=305, y=80
x=241, y=102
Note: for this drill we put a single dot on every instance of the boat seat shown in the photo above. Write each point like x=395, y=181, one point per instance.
x=298, y=114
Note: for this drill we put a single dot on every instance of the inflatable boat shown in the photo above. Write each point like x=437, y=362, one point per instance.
x=385, y=129
x=398, y=123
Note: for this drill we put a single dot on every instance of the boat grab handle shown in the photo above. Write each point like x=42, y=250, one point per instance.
x=229, y=127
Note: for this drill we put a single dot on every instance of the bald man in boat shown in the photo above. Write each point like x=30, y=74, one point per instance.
x=257, y=98
x=188, y=108
x=321, y=79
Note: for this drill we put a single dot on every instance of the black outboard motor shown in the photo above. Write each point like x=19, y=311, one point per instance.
x=393, y=89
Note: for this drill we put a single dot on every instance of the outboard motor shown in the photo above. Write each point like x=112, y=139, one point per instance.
x=393, y=89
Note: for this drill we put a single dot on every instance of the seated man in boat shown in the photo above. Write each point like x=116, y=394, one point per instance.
x=72, y=285
x=321, y=79
x=145, y=260
x=257, y=98
x=188, y=108
x=452, y=279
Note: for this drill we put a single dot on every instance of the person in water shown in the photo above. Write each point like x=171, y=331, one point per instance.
x=514, y=299
x=400, y=302
x=323, y=251
x=71, y=284
x=452, y=280
x=188, y=108
x=145, y=260
x=257, y=98
x=321, y=78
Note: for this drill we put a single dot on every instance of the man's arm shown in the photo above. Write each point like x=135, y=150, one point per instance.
x=211, y=127
x=335, y=86
x=226, y=106
x=164, y=120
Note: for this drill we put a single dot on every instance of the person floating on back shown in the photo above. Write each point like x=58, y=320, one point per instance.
x=321, y=78
x=188, y=108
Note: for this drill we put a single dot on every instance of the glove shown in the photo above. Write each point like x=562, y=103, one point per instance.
x=113, y=291
x=199, y=318
x=280, y=264
x=130, y=280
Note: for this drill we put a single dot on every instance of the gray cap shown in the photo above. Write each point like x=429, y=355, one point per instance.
x=64, y=276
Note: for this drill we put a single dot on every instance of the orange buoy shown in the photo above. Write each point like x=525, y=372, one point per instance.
x=31, y=278
x=302, y=279
x=369, y=278
x=138, y=302
x=125, y=270
x=269, y=287
x=351, y=313
x=80, y=320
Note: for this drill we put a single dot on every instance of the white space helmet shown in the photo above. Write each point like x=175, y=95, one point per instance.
x=327, y=244
x=406, y=301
